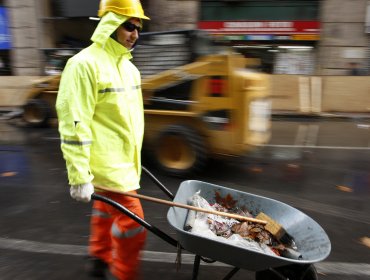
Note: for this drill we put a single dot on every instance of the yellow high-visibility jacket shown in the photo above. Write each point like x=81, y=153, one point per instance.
x=100, y=113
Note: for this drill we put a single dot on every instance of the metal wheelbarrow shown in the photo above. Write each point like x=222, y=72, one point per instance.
x=311, y=240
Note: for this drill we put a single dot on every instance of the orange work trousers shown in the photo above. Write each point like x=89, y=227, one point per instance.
x=115, y=238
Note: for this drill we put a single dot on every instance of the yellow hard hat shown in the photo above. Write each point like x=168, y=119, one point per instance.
x=129, y=8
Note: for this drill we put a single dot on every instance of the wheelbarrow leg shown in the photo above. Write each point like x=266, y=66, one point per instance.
x=231, y=273
x=309, y=272
x=295, y=271
x=196, y=267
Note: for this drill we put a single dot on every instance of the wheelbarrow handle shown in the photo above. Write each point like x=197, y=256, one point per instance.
x=186, y=206
x=136, y=218
x=158, y=183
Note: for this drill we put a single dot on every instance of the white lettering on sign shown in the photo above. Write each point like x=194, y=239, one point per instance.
x=245, y=24
x=285, y=26
x=258, y=24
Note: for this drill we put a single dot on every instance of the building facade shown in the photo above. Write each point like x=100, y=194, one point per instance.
x=305, y=37
x=283, y=35
x=344, y=36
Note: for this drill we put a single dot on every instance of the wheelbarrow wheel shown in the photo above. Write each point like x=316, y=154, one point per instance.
x=289, y=272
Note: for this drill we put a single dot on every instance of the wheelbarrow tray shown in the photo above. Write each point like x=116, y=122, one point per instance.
x=311, y=240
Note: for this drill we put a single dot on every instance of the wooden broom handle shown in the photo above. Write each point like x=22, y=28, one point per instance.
x=190, y=207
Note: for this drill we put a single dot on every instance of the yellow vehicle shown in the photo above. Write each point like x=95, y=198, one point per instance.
x=211, y=107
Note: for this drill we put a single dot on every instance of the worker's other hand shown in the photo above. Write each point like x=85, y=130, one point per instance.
x=82, y=192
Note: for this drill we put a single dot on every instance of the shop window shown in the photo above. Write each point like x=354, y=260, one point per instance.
x=297, y=60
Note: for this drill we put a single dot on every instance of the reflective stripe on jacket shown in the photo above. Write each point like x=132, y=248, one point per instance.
x=100, y=112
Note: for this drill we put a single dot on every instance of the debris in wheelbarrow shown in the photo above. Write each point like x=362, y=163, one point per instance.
x=251, y=235
x=313, y=243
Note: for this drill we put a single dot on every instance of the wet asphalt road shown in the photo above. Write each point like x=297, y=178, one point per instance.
x=321, y=167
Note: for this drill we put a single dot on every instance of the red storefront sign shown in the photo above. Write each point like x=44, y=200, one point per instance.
x=260, y=27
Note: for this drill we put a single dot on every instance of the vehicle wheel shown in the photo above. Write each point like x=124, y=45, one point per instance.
x=289, y=272
x=36, y=113
x=179, y=151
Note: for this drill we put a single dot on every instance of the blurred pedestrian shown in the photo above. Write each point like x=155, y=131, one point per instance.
x=101, y=124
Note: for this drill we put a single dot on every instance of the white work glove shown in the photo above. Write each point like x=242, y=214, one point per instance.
x=82, y=192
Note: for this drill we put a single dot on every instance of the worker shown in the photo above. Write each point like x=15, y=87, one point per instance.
x=101, y=125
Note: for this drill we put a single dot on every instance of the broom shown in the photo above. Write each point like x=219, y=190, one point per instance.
x=270, y=225
x=277, y=230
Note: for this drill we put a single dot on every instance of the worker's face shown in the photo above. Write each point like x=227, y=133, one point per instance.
x=128, y=32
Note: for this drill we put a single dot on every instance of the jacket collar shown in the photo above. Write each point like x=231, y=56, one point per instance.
x=116, y=49
x=107, y=25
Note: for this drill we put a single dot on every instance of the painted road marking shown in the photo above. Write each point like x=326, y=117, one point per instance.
x=340, y=268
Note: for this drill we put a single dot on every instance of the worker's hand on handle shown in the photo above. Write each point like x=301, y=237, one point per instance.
x=82, y=192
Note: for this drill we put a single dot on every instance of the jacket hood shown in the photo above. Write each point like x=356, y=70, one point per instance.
x=107, y=25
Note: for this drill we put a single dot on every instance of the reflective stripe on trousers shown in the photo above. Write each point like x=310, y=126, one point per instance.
x=116, y=238
x=98, y=213
x=116, y=232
